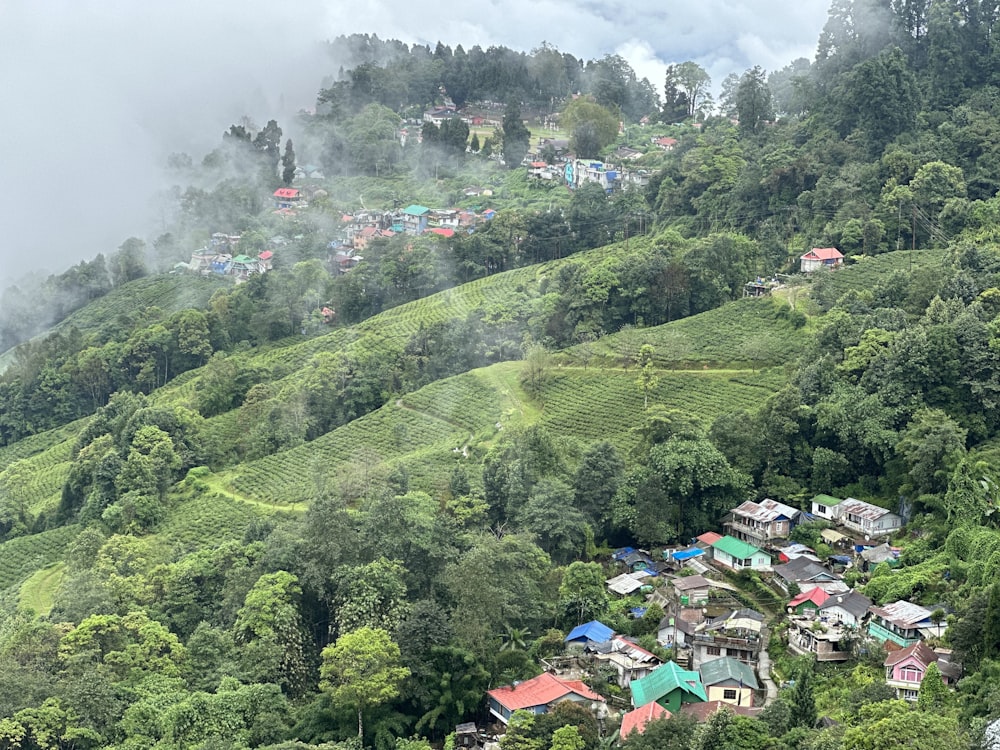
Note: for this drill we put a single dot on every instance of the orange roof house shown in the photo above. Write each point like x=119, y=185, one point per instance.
x=537, y=695
x=637, y=719
x=820, y=257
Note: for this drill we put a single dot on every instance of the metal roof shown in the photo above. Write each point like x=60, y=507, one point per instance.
x=766, y=510
x=860, y=508
x=903, y=613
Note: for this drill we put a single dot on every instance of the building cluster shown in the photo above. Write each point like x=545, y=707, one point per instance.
x=718, y=646
x=222, y=256
x=363, y=226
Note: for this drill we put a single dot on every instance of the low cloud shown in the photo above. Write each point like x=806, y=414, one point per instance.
x=97, y=93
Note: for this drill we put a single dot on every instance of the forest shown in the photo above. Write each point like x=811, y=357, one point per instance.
x=229, y=519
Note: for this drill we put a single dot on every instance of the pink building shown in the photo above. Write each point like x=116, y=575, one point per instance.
x=905, y=669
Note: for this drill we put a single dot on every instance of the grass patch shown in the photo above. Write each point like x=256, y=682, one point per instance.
x=39, y=590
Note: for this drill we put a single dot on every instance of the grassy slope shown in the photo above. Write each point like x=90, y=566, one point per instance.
x=448, y=422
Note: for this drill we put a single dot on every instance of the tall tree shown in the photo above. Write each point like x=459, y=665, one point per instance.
x=516, y=136
x=754, y=106
x=288, y=163
x=362, y=669
x=693, y=82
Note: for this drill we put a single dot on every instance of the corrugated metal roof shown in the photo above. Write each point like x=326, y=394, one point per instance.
x=735, y=548
x=860, y=508
x=903, y=613
x=766, y=510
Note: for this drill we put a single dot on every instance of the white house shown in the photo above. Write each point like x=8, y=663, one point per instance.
x=865, y=518
x=820, y=257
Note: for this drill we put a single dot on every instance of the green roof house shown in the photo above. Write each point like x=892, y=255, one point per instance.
x=414, y=219
x=738, y=555
x=668, y=685
x=728, y=680
x=825, y=507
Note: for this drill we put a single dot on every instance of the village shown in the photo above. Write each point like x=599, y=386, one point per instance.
x=718, y=641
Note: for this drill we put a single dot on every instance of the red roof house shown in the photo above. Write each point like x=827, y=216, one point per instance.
x=286, y=197
x=666, y=143
x=637, y=719
x=820, y=257
x=812, y=599
x=537, y=695
x=709, y=538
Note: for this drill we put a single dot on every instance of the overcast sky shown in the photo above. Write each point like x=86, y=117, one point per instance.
x=96, y=93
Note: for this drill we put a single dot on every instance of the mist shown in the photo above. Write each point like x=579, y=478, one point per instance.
x=98, y=93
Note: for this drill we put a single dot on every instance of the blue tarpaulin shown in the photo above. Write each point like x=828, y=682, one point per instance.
x=687, y=554
x=621, y=554
x=594, y=631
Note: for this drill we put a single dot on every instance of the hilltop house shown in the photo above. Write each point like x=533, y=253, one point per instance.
x=865, y=518
x=739, y=555
x=537, y=695
x=630, y=661
x=286, y=197
x=728, y=680
x=670, y=686
x=414, y=219
x=760, y=523
x=904, y=623
x=850, y=609
x=826, y=641
x=825, y=507
x=737, y=635
x=637, y=719
x=590, y=632
x=905, y=669
x=808, y=602
x=820, y=257
x=806, y=574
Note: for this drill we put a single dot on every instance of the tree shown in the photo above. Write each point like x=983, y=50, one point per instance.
x=933, y=695
x=371, y=595
x=647, y=380
x=362, y=670
x=582, y=593
x=596, y=481
x=895, y=725
x=567, y=738
x=516, y=136
x=802, y=703
x=592, y=126
x=288, y=163
x=753, y=101
x=270, y=630
x=931, y=445
x=693, y=83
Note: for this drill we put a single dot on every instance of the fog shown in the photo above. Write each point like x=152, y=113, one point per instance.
x=97, y=93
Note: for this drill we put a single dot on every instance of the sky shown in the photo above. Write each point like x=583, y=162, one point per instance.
x=97, y=93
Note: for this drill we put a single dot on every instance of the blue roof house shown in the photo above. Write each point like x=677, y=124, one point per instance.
x=590, y=632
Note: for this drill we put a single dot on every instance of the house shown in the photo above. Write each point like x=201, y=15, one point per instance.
x=865, y=518
x=670, y=686
x=705, y=542
x=630, y=661
x=905, y=669
x=691, y=591
x=825, y=641
x=627, y=583
x=539, y=170
x=760, y=523
x=414, y=219
x=590, y=632
x=537, y=695
x=820, y=257
x=806, y=574
x=883, y=553
x=637, y=719
x=825, y=507
x=903, y=623
x=728, y=680
x=637, y=560
x=850, y=609
x=737, y=635
x=581, y=171
x=702, y=712
x=808, y=602
x=739, y=555
x=264, y=261
x=242, y=266
x=286, y=197
x=666, y=143
x=624, y=153
x=682, y=557
x=795, y=550
x=678, y=629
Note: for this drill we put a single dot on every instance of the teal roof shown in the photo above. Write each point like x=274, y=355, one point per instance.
x=735, y=548
x=663, y=681
x=242, y=259
x=416, y=210
x=828, y=500
x=727, y=669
